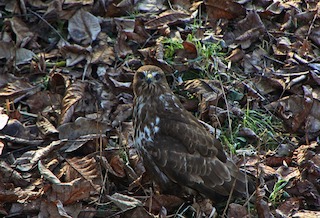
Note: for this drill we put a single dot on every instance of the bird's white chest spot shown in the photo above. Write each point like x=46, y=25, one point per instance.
x=164, y=101
x=169, y=101
x=156, y=126
x=145, y=135
x=139, y=106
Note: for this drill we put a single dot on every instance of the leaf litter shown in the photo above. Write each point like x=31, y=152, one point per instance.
x=248, y=69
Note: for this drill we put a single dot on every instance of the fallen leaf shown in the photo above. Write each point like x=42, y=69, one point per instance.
x=83, y=27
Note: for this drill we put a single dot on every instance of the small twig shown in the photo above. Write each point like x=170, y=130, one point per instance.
x=21, y=140
x=46, y=22
x=28, y=114
x=227, y=107
x=229, y=198
x=312, y=24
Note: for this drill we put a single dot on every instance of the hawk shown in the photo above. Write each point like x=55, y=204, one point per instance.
x=174, y=145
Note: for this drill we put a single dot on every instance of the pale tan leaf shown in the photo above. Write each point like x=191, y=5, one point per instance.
x=150, y=6
x=3, y=120
x=124, y=202
x=306, y=214
x=45, y=127
x=61, y=210
x=47, y=174
x=1, y=147
x=76, y=2
x=27, y=161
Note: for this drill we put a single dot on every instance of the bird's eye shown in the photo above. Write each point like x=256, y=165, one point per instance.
x=141, y=76
x=157, y=76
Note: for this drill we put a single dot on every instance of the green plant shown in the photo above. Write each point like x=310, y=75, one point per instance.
x=260, y=122
x=170, y=47
x=278, y=193
x=206, y=53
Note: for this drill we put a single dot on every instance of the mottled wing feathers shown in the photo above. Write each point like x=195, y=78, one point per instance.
x=182, y=125
x=173, y=143
x=193, y=169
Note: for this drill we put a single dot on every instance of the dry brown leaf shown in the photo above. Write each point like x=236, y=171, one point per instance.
x=70, y=192
x=83, y=27
x=105, y=164
x=266, y=85
x=306, y=214
x=207, y=90
x=10, y=175
x=167, y=201
x=47, y=174
x=289, y=207
x=124, y=202
x=236, y=55
x=18, y=87
x=299, y=113
x=167, y=18
x=74, y=93
x=122, y=49
x=16, y=129
x=30, y=158
x=104, y=54
x=86, y=168
x=9, y=194
x=263, y=208
x=227, y=9
x=45, y=127
x=117, y=165
x=249, y=29
x=23, y=33
x=306, y=190
x=44, y=100
x=237, y=210
x=122, y=113
x=151, y=6
x=75, y=53
x=81, y=127
x=139, y=34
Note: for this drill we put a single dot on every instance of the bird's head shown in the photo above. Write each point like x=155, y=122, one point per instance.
x=149, y=80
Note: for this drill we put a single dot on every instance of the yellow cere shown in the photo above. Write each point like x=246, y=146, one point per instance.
x=149, y=75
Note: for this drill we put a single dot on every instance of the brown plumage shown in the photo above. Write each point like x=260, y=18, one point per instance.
x=174, y=145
